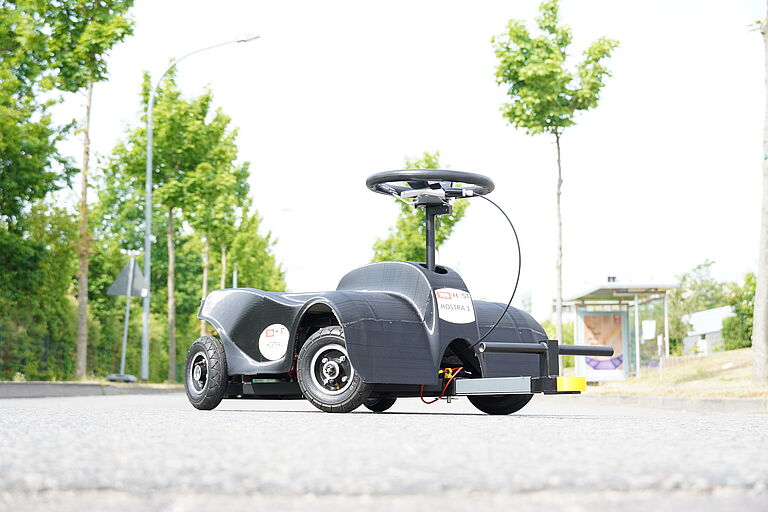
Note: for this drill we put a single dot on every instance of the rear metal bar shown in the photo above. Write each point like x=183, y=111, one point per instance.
x=548, y=352
x=585, y=350
x=541, y=348
x=517, y=348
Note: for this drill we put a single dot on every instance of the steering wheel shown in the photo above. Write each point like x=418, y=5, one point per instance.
x=429, y=180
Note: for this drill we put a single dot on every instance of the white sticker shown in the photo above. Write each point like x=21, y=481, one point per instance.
x=455, y=306
x=273, y=341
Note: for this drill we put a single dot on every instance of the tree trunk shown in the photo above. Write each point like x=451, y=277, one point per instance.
x=206, y=248
x=171, y=298
x=559, y=264
x=83, y=248
x=760, y=319
x=223, y=266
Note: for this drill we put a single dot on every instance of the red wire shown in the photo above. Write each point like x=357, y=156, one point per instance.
x=442, y=394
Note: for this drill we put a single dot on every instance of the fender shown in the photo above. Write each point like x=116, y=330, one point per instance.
x=396, y=332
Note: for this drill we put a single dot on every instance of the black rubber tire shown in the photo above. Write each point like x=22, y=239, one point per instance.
x=346, y=401
x=379, y=404
x=500, y=404
x=215, y=386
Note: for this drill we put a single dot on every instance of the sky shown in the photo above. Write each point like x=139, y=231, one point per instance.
x=662, y=176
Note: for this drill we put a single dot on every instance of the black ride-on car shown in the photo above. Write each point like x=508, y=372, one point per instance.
x=390, y=330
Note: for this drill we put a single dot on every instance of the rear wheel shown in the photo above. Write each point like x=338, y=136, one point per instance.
x=205, y=373
x=326, y=375
x=500, y=404
x=379, y=404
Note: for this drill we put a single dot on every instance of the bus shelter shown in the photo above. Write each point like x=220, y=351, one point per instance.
x=609, y=314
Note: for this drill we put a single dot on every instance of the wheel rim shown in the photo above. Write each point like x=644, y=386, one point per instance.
x=198, y=373
x=332, y=373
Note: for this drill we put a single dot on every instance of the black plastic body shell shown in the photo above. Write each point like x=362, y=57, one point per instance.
x=392, y=327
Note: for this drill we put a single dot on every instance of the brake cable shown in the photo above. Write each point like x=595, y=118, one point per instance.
x=519, y=260
x=517, y=281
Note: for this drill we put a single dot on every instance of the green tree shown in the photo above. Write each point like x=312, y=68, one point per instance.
x=737, y=330
x=51, y=46
x=30, y=164
x=216, y=192
x=195, y=176
x=88, y=30
x=545, y=94
x=407, y=239
x=46, y=47
x=698, y=291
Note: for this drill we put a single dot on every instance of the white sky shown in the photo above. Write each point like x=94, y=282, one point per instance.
x=663, y=175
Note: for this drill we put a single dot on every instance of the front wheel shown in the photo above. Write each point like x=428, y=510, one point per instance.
x=326, y=375
x=500, y=404
x=205, y=373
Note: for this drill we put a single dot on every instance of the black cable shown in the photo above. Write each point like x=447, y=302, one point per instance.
x=517, y=281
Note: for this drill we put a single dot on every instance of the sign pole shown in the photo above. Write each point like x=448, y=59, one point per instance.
x=666, y=323
x=128, y=293
x=660, y=346
x=637, y=336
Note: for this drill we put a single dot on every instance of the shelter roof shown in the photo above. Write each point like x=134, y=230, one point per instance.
x=620, y=292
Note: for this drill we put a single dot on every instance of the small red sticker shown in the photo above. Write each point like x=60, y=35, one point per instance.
x=444, y=295
x=270, y=333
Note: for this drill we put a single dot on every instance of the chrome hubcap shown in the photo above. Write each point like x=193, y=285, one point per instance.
x=332, y=372
x=198, y=373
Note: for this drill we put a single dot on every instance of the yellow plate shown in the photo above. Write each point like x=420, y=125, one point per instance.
x=571, y=384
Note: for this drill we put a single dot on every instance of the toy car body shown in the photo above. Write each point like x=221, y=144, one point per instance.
x=391, y=329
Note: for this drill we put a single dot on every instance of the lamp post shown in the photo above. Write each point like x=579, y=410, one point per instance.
x=148, y=202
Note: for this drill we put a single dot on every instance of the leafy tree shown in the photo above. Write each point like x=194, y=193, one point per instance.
x=30, y=164
x=698, y=291
x=216, y=192
x=52, y=45
x=194, y=176
x=46, y=47
x=89, y=29
x=545, y=94
x=737, y=330
x=406, y=240
x=118, y=225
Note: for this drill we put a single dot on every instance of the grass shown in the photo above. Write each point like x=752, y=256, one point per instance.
x=721, y=375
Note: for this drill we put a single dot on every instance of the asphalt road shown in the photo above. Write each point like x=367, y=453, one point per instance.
x=158, y=453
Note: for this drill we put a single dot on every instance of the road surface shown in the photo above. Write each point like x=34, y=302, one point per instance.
x=155, y=452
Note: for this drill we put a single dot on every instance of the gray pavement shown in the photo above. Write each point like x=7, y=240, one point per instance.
x=155, y=452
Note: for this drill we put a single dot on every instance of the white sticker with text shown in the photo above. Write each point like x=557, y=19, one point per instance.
x=455, y=306
x=273, y=341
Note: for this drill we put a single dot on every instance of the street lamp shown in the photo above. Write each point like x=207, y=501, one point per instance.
x=148, y=200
